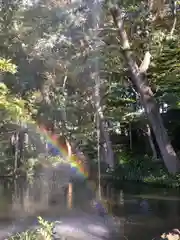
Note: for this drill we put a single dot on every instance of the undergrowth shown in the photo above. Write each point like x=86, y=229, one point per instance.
x=144, y=169
x=44, y=232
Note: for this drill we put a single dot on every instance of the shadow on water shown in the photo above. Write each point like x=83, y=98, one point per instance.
x=143, y=212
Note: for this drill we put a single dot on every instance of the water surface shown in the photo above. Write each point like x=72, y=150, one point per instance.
x=143, y=212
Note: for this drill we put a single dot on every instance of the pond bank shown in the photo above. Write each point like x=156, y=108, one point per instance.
x=118, y=182
x=145, y=171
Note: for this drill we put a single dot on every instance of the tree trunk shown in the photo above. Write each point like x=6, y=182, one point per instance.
x=101, y=125
x=151, y=143
x=130, y=137
x=16, y=152
x=140, y=82
x=108, y=145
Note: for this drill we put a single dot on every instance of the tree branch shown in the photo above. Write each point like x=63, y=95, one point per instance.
x=174, y=14
x=145, y=63
x=117, y=17
x=118, y=20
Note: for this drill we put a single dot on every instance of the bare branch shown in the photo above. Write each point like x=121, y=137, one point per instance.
x=145, y=63
x=117, y=17
x=173, y=27
x=174, y=13
x=64, y=82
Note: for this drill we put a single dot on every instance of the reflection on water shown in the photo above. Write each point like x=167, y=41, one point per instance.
x=146, y=212
x=143, y=212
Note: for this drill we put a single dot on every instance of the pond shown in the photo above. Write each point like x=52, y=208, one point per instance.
x=143, y=212
x=146, y=212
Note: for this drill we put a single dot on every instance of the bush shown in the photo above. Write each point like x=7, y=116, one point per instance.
x=144, y=169
x=44, y=232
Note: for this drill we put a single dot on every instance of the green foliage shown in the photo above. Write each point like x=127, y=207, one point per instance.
x=164, y=73
x=7, y=66
x=144, y=169
x=25, y=236
x=44, y=232
x=46, y=229
x=11, y=107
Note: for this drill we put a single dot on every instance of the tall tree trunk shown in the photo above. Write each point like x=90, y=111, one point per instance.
x=139, y=80
x=130, y=137
x=16, y=152
x=101, y=124
x=107, y=144
x=94, y=20
x=151, y=143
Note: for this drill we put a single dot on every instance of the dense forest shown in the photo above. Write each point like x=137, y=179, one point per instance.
x=103, y=76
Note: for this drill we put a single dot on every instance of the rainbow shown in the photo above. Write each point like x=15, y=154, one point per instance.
x=74, y=161
x=61, y=149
